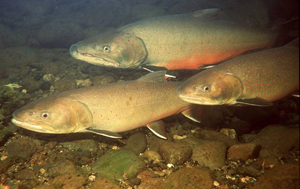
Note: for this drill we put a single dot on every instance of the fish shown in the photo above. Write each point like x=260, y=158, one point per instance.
x=256, y=79
x=182, y=41
x=108, y=109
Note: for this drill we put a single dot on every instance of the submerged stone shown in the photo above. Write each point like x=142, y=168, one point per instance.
x=118, y=164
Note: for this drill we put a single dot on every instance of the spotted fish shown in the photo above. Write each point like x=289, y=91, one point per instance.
x=107, y=109
x=255, y=79
x=183, y=41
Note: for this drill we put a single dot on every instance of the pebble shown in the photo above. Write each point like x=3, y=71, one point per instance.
x=22, y=148
x=152, y=156
x=175, y=153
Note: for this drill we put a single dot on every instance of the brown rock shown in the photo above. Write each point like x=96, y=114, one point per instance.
x=189, y=178
x=277, y=140
x=213, y=135
x=21, y=148
x=104, y=183
x=67, y=181
x=137, y=143
x=244, y=151
x=51, y=68
x=210, y=154
x=65, y=84
x=24, y=174
x=175, y=152
x=282, y=176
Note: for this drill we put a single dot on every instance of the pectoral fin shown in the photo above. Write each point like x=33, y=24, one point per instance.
x=194, y=113
x=104, y=133
x=254, y=102
x=158, y=128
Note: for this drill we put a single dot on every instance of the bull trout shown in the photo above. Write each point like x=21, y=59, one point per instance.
x=106, y=109
x=255, y=79
x=184, y=41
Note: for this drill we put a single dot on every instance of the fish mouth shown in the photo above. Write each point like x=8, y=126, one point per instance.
x=87, y=57
x=197, y=100
x=30, y=126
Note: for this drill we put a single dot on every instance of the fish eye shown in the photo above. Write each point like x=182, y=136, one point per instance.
x=206, y=88
x=45, y=115
x=106, y=48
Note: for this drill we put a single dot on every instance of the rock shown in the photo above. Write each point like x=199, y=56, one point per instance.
x=118, y=164
x=277, y=140
x=49, y=78
x=213, y=135
x=19, y=56
x=265, y=163
x=31, y=85
x=152, y=156
x=192, y=141
x=244, y=151
x=249, y=171
x=155, y=143
x=280, y=177
x=57, y=168
x=87, y=144
x=104, y=183
x=24, y=174
x=241, y=127
x=211, y=154
x=46, y=86
x=83, y=83
x=51, y=68
x=21, y=148
x=175, y=152
x=102, y=79
x=229, y=132
x=33, y=43
x=65, y=84
x=68, y=181
x=137, y=143
x=189, y=178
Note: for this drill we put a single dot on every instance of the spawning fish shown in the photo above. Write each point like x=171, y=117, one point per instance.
x=184, y=41
x=255, y=79
x=106, y=109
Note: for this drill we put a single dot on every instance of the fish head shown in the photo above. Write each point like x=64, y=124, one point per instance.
x=210, y=88
x=112, y=49
x=53, y=115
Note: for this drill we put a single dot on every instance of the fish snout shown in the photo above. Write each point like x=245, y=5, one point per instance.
x=73, y=49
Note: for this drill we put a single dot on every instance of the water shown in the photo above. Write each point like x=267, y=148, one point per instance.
x=35, y=37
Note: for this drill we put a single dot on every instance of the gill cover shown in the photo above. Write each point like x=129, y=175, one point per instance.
x=211, y=88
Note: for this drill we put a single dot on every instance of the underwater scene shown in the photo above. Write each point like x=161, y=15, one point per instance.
x=146, y=94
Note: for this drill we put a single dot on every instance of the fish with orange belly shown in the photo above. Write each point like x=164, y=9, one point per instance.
x=183, y=41
x=108, y=109
x=255, y=79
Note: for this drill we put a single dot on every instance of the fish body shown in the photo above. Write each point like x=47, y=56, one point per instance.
x=184, y=41
x=257, y=79
x=105, y=109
